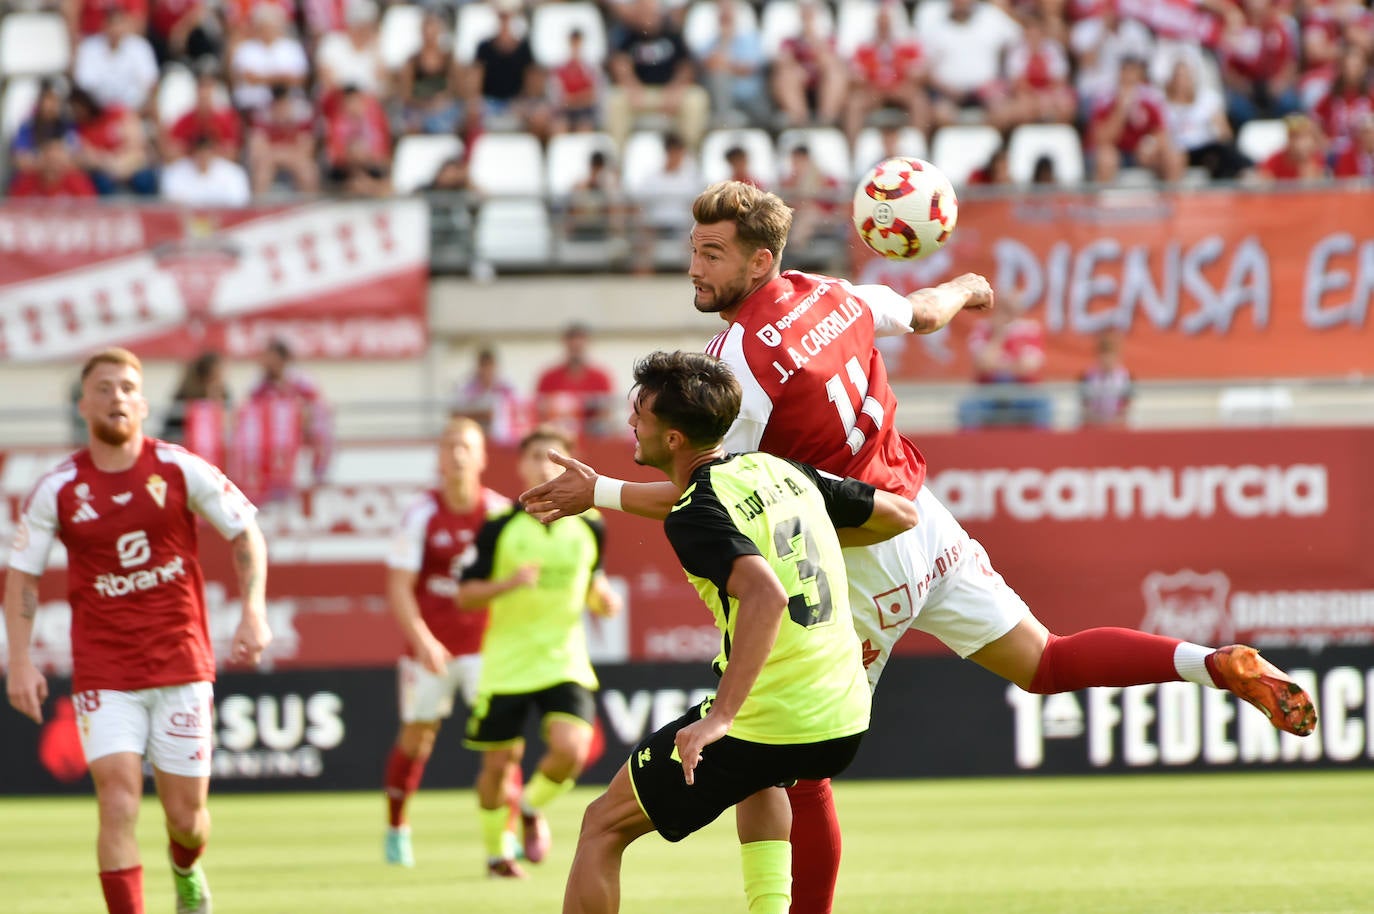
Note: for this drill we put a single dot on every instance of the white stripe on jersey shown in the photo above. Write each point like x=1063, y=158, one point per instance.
x=755, y=406
x=209, y=492
x=37, y=529
x=407, y=550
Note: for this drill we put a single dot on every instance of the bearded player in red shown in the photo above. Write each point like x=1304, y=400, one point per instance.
x=127, y=508
x=816, y=390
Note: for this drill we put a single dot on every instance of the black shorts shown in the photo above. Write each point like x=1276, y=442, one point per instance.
x=730, y=770
x=498, y=721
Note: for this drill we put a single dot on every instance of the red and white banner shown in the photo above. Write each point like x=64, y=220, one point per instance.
x=337, y=279
x=1201, y=285
x=1259, y=536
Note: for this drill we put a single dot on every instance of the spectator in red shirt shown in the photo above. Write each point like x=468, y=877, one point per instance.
x=1301, y=159
x=1259, y=63
x=577, y=87
x=1351, y=96
x=1038, y=89
x=282, y=142
x=1008, y=350
x=1356, y=160
x=211, y=117
x=888, y=71
x=808, y=76
x=87, y=17
x=812, y=194
x=113, y=147
x=358, y=144
x=1105, y=388
x=284, y=413
x=576, y=394
x=55, y=175
x=737, y=157
x=996, y=171
x=185, y=30
x=1129, y=129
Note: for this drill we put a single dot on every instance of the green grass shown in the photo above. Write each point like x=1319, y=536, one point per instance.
x=1263, y=843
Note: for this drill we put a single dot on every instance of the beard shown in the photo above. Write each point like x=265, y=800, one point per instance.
x=723, y=297
x=112, y=434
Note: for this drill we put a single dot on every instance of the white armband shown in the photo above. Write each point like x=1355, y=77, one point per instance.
x=606, y=493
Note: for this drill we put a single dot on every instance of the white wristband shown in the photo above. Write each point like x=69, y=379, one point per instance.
x=606, y=494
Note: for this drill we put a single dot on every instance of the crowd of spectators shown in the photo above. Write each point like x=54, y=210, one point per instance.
x=297, y=95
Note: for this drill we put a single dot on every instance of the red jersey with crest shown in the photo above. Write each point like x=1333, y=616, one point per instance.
x=434, y=541
x=133, y=579
x=815, y=388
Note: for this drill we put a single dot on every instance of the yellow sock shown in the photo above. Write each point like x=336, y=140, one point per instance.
x=767, y=869
x=540, y=792
x=493, y=829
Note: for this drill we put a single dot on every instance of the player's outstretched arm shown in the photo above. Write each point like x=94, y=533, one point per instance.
x=26, y=686
x=579, y=487
x=250, y=565
x=602, y=597
x=892, y=514
x=476, y=593
x=400, y=594
x=762, y=602
x=933, y=308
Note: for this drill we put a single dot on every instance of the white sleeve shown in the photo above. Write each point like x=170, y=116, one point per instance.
x=33, y=537
x=755, y=405
x=407, y=549
x=211, y=494
x=891, y=309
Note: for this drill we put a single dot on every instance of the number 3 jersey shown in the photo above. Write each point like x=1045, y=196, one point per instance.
x=133, y=579
x=814, y=387
x=812, y=686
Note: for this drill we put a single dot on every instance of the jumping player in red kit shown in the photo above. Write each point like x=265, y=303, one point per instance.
x=444, y=643
x=816, y=390
x=126, y=508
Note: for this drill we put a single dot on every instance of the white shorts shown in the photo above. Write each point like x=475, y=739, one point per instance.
x=169, y=725
x=932, y=578
x=426, y=697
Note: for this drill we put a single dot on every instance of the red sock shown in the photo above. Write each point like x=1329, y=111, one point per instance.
x=815, y=847
x=403, y=775
x=123, y=890
x=1104, y=657
x=183, y=858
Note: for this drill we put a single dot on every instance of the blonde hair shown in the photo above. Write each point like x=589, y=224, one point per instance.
x=115, y=355
x=761, y=219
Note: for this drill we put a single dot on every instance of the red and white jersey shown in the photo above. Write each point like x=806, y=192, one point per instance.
x=433, y=541
x=133, y=579
x=815, y=388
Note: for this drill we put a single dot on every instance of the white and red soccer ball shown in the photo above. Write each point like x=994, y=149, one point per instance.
x=905, y=208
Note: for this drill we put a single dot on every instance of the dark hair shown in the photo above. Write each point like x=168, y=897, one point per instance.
x=735, y=152
x=195, y=379
x=673, y=140
x=692, y=392
x=550, y=433
x=280, y=347
x=599, y=159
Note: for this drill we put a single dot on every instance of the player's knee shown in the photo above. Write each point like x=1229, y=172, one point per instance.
x=189, y=820
x=118, y=806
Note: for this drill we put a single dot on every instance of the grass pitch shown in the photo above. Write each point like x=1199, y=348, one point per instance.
x=1262, y=843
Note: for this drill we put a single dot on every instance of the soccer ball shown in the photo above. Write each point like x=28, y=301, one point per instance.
x=905, y=208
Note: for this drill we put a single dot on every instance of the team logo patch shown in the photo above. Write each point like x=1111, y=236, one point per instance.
x=83, y=491
x=895, y=606
x=157, y=487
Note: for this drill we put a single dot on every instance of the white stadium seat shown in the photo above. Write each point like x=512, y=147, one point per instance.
x=1058, y=141
x=961, y=149
x=643, y=159
x=33, y=44
x=702, y=25
x=856, y=24
x=782, y=20
x=829, y=150
x=868, y=147
x=418, y=159
x=513, y=233
x=1259, y=139
x=176, y=94
x=569, y=159
x=476, y=23
x=552, y=24
x=21, y=94
x=507, y=164
x=400, y=33
x=762, y=156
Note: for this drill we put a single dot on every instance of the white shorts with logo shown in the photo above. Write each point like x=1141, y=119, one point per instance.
x=426, y=697
x=933, y=578
x=169, y=725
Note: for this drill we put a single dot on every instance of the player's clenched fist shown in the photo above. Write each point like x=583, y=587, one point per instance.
x=250, y=639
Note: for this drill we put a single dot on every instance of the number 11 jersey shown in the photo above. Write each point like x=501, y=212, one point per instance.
x=815, y=388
